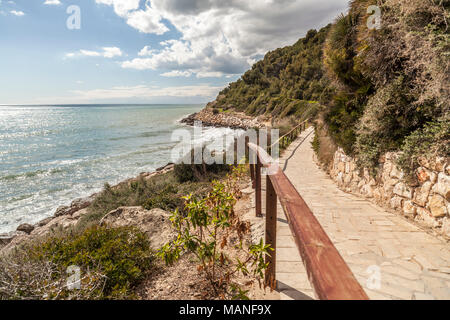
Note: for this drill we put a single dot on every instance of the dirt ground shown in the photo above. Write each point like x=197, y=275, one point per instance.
x=183, y=281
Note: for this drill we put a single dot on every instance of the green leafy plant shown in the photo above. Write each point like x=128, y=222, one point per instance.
x=112, y=262
x=206, y=230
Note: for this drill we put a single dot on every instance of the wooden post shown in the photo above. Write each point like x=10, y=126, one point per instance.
x=258, y=187
x=251, y=161
x=235, y=158
x=247, y=152
x=271, y=232
x=269, y=142
x=252, y=175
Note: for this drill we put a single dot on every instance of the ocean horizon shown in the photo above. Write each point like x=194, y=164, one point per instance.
x=53, y=154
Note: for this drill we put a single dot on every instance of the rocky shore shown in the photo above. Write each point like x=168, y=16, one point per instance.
x=213, y=118
x=64, y=216
x=68, y=216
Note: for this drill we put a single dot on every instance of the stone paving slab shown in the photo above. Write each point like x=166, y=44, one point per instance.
x=390, y=257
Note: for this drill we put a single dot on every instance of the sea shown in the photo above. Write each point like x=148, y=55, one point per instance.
x=51, y=155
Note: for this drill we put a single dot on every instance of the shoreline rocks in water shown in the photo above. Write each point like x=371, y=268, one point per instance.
x=64, y=216
x=210, y=118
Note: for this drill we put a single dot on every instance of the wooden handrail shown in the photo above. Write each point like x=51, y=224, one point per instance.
x=287, y=134
x=327, y=271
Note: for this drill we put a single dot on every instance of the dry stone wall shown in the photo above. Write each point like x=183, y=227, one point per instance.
x=427, y=202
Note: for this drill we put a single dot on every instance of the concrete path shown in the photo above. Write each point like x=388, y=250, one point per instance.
x=390, y=257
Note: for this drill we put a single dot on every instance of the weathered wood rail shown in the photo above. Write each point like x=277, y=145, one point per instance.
x=328, y=273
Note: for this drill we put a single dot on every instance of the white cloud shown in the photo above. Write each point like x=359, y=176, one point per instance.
x=17, y=13
x=143, y=92
x=111, y=52
x=176, y=73
x=108, y=52
x=121, y=7
x=223, y=37
x=147, y=21
x=146, y=51
x=52, y=2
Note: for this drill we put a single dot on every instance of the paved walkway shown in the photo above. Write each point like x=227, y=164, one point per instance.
x=390, y=257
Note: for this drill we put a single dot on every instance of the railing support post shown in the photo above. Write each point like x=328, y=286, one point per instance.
x=235, y=148
x=251, y=161
x=271, y=233
x=258, y=187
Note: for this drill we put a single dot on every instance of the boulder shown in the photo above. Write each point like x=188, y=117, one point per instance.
x=155, y=223
x=396, y=173
x=409, y=209
x=347, y=179
x=403, y=190
x=437, y=206
x=442, y=186
x=422, y=193
x=62, y=211
x=387, y=167
x=425, y=218
x=439, y=164
x=7, y=238
x=396, y=202
x=423, y=174
x=446, y=227
x=44, y=222
x=25, y=227
x=367, y=191
x=76, y=205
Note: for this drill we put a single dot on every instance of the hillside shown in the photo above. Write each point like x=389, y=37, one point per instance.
x=376, y=90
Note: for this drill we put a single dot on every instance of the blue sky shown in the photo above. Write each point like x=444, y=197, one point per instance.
x=137, y=51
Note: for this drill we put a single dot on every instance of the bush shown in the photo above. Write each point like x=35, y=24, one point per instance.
x=276, y=85
x=205, y=231
x=428, y=142
x=164, y=191
x=112, y=262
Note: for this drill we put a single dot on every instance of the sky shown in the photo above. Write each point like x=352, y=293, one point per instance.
x=138, y=51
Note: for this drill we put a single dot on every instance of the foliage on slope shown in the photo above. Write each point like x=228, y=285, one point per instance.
x=393, y=82
x=288, y=81
x=380, y=88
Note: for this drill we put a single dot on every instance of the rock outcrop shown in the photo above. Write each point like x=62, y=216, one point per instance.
x=65, y=216
x=211, y=118
x=155, y=223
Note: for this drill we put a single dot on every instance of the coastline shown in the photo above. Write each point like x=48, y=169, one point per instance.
x=211, y=118
x=68, y=215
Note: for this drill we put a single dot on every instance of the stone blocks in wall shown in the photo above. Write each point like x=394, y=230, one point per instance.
x=427, y=202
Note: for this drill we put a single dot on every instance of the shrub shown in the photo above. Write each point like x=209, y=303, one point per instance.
x=164, y=191
x=428, y=142
x=112, y=262
x=276, y=85
x=206, y=230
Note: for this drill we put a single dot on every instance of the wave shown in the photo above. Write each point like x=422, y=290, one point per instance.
x=30, y=174
x=148, y=134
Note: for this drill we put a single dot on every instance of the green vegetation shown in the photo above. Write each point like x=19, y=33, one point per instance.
x=375, y=89
x=112, y=262
x=205, y=231
x=288, y=82
x=390, y=82
x=432, y=140
x=164, y=191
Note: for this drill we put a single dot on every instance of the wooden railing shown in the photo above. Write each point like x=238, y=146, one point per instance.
x=328, y=273
x=287, y=138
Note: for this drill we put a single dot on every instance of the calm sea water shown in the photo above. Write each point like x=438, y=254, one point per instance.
x=50, y=155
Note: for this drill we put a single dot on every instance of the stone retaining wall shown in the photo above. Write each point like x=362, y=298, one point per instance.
x=427, y=202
